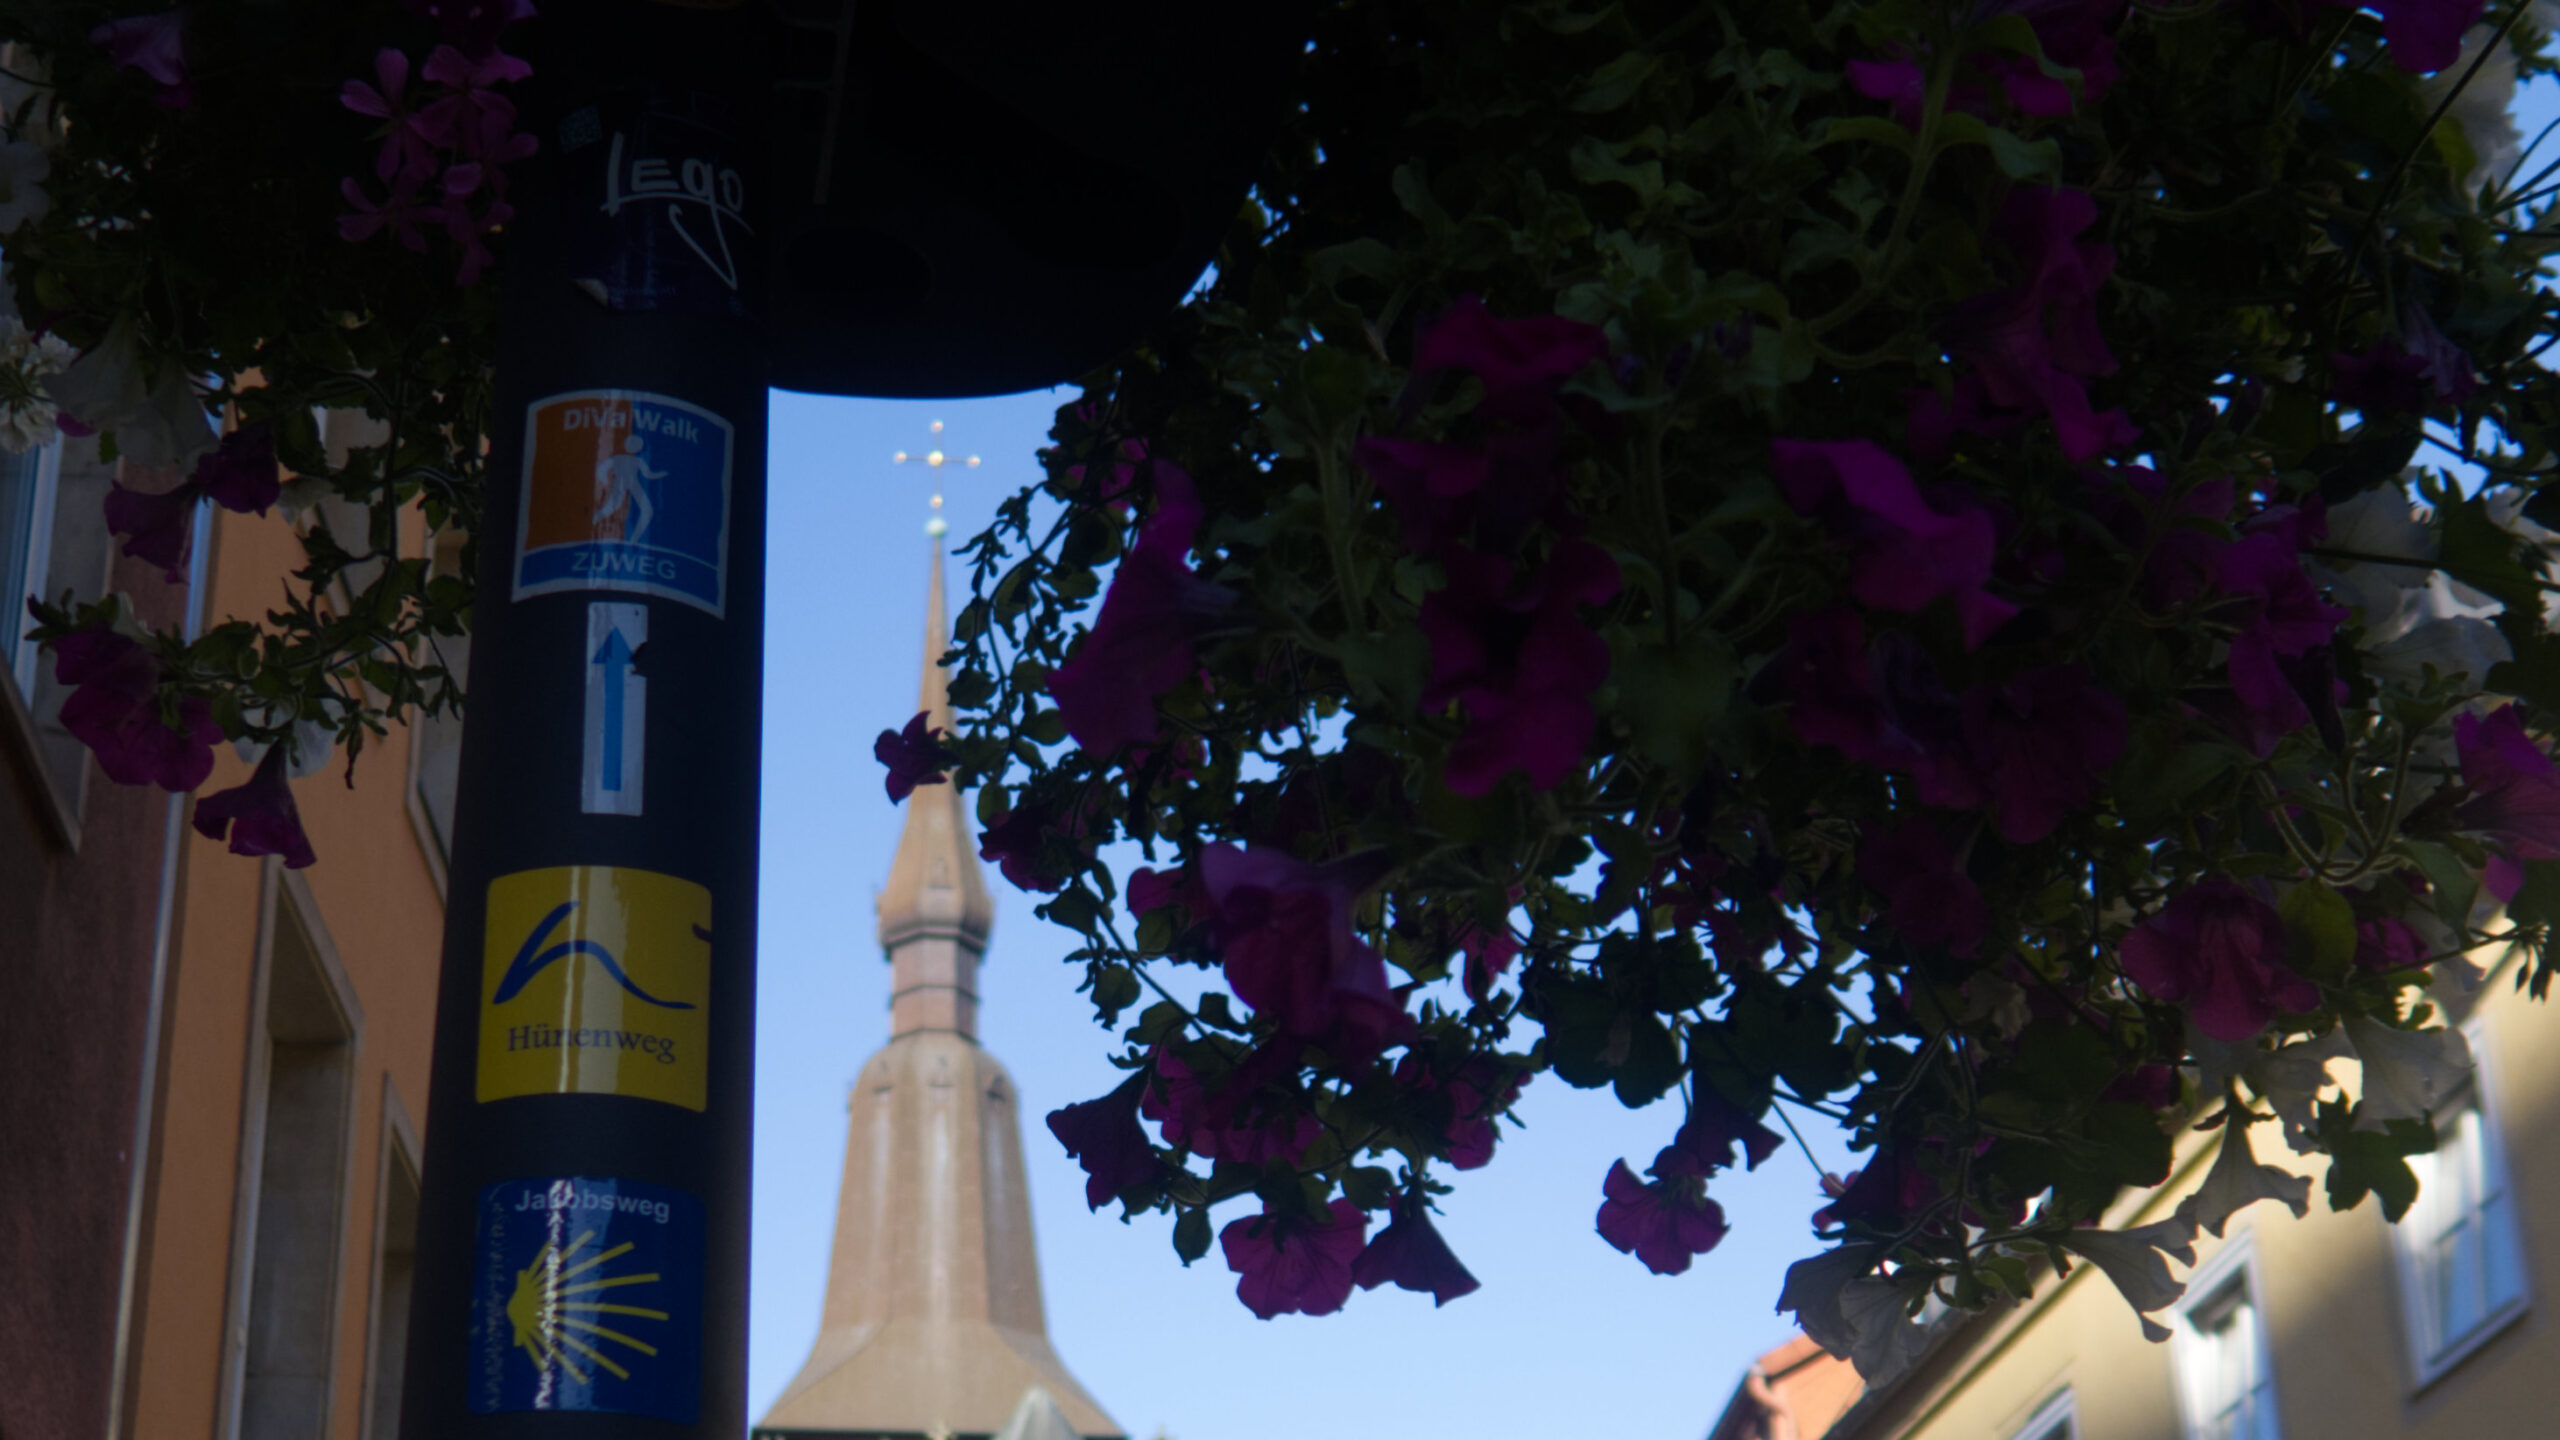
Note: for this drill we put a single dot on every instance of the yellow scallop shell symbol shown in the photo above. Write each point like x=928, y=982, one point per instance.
x=554, y=1311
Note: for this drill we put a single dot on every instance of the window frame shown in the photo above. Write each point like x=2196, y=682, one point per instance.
x=34, y=551
x=2058, y=1418
x=2232, y=1266
x=2417, y=1326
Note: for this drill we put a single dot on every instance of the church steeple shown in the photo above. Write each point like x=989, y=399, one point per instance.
x=934, y=1324
x=935, y=913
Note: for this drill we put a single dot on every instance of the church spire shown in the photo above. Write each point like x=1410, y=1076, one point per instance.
x=933, y=1323
x=935, y=913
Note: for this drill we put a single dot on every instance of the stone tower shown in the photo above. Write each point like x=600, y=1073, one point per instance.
x=933, y=1325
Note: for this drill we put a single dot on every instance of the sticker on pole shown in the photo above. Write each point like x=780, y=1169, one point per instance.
x=615, y=739
x=624, y=490
x=587, y=1295
x=596, y=980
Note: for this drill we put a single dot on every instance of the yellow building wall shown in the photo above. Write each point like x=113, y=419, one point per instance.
x=2330, y=1291
x=375, y=905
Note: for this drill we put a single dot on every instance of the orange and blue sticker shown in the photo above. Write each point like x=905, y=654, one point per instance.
x=587, y=1295
x=624, y=490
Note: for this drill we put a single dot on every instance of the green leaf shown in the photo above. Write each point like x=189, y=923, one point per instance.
x=1191, y=1234
x=1615, y=83
x=2537, y=902
x=2320, y=927
x=1115, y=988
x=1872, y=129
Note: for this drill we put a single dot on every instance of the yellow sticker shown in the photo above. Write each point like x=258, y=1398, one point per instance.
x=596, y=980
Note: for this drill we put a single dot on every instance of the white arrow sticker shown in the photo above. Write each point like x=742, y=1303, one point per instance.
x=617, y=730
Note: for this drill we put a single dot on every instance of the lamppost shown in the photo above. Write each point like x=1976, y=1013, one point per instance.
x=719, y=206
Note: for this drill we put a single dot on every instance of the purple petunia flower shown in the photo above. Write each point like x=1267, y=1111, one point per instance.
x=1245, y=1117
x=2515, y=794
x=915, y=756
x=157, y=529
x=1289, y=1266
x=2220, y=950
x=1705, y=1141
x=154, y=45
x=1282, y=927
x=114, y=710
x=1665, y=1224
x=259, y=815
x=1909, y=553
x=1515, y=653
x=1410, y=1254
x=1141, y=644
x=2036, y=344
x=240, y=474
x=1928, y=898
x=2041, y=741
x=1519, y=361
x=1105, y=1138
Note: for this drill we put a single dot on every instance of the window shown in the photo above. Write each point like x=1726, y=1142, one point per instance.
x=2225, y=1385
x=293, y=1167
x=53, y=538
x=395, y=1256
x=2461, y=1255
x=2052, y=1421
x=26, y=544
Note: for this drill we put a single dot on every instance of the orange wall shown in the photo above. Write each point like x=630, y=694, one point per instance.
x=379, y=909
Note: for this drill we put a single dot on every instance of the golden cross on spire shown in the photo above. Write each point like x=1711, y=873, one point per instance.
x=933, y=460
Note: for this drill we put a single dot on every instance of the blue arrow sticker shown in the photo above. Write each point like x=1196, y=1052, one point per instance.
x=616, y=733
x=587, y=1295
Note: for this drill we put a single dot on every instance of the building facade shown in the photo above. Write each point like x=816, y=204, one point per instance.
x=212, y=1069
x=2334, y=1324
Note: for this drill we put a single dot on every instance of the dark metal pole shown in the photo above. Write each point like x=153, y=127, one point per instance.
x=582, y=1246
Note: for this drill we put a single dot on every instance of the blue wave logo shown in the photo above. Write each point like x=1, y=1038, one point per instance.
x=534, y=958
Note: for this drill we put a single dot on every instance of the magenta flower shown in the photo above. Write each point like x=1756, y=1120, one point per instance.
x=114, y=710
x=1410, y=1254
x=157, y=529
x=2073, y=34
x=1929, y=900
x=1664, y=1224
x=1516, y=654
x=2515, y=794
x=1104, y=1137
x=410, y=141
x=1478, y=1091
x=1898, y=81
x=1245, y=1118
x=1283, y=929
x=1489, y=954
x=399, y=212
x=915, y=756
x=2386, y=945
x=2035, y=345
x=1705, y=1142
x=2220, y=950
x=1290, y=1265
x=259, y=815
x=2385, y=378
x=1908, y=552
x=2424, y=36
x=240, y=474
x=154, y=45
x=2041, y=743
x=1519, y=361
x=1141, y=645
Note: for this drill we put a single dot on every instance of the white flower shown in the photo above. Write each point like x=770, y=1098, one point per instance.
x=158, y=422
x=23, y=168
x=311, y=744
x=26, y=416
x=2377, y=522
x=2407, y=1073
x=2289, y=1079
x=1857, y=1317
x=2481, y=109
x=2135, y=1260
x=2238, y=1180
x=2443, y=623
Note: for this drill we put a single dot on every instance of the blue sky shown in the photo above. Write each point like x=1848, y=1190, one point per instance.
x=1567, y=1335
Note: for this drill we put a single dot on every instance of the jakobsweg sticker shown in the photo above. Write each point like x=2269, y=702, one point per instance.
x=587, y=1295
x=624, y=490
